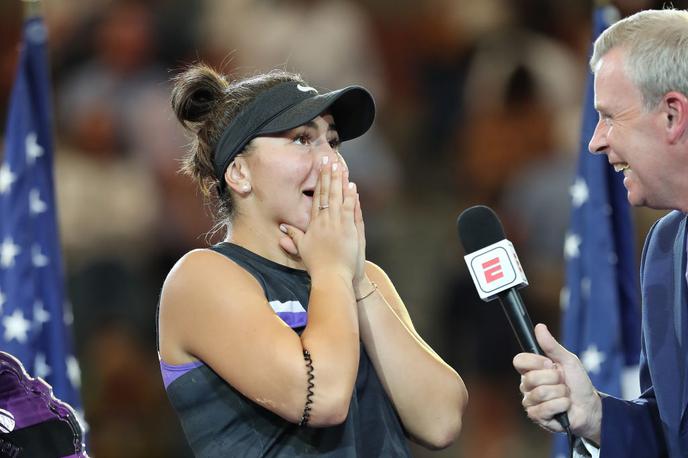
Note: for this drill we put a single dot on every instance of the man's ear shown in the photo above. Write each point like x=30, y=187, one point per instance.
x=675, y=112
x=238, y=176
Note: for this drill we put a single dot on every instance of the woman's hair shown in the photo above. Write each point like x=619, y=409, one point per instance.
x=205, y=102
x=656, y=48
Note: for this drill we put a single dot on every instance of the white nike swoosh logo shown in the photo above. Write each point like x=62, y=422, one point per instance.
x=303, y=88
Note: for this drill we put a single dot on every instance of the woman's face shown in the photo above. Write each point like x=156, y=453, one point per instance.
x=284, y=169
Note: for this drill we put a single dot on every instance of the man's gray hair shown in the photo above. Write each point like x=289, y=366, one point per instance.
x=655, y=44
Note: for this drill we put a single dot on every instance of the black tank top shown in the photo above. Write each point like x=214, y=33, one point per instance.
x=220, y=422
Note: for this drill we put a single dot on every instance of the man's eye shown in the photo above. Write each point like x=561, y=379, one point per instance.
x=334, y=143
x=605, y=118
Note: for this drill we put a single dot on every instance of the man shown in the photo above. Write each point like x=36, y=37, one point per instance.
x=641, y=93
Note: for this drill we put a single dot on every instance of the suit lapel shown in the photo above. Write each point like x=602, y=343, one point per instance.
x=663, y=284
x=681, y=305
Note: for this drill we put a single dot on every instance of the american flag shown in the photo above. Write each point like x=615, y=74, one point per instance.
x=35, y=321
x=601, y=312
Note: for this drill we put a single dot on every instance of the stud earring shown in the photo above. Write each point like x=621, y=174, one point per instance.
x=246, y=187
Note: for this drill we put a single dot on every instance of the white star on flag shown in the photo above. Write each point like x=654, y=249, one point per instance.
x=8, y=250
x=585, y=287
x=73, y=371
x=38, y=259
x=33, y=149
x=579, y=192
x=40, y=315
x=40, y=366
x=613, y=258
x=6, y=178
x=16, y=327
x=36, y=205
x=572, y=246
x=592, y=359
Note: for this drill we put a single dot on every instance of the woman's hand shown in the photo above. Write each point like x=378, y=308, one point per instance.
x=361, y=282
x=331, y=240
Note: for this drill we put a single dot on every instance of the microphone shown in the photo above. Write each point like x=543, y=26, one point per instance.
x=497, y=274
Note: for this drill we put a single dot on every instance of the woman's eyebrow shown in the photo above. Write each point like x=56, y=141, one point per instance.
x=313, y=125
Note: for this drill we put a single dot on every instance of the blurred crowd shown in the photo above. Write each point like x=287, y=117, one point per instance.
x=478, y=102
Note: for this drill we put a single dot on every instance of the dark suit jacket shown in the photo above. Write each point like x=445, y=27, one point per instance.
x=655, y=425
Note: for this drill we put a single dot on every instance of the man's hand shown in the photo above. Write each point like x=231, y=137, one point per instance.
x=558, y=383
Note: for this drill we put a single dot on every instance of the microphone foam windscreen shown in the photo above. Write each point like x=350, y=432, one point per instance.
x=479, y=227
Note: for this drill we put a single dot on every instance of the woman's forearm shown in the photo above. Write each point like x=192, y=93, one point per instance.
x=332, y=340
x=428, y=395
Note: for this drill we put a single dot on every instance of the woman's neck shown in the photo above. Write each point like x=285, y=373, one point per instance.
x=262, y=240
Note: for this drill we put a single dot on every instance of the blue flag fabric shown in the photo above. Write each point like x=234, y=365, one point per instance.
x=35, y=322
x=601, y=320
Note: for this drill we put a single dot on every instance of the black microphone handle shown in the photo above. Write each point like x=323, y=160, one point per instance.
x=516, y=313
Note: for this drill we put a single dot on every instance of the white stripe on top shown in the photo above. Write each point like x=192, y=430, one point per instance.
x=289, y=306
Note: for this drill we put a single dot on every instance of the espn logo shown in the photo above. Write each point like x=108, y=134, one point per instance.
x=492, y=270
x=495, y=268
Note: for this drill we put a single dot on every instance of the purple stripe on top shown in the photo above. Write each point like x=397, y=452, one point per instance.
x=171, y=372
x=294, y=319
x=291, y=312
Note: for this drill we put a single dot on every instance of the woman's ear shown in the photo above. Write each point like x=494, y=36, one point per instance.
x=238, y=176
x=675, y=111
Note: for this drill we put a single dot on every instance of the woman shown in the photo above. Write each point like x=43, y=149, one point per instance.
x=283, y=340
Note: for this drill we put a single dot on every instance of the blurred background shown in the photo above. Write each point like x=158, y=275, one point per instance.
x=478, y=102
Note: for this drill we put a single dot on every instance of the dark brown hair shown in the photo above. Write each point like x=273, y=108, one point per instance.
x=205, y=102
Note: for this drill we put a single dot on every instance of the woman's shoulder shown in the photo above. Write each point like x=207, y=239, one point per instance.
x=199, y=262
x=202, y=289
x=200, y=272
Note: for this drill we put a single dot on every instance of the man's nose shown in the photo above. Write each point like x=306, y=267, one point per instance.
x=598, y=142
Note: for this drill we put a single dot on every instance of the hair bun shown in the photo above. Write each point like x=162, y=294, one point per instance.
x=196, y=93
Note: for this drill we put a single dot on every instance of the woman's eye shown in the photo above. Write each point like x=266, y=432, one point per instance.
x=302, y=139
x=334, y=143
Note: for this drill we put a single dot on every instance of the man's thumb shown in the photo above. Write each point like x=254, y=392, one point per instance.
x=553, y=349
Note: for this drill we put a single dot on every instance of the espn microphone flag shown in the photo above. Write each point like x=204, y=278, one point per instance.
x=495, y=269
x=601, y=312
x=35, y=324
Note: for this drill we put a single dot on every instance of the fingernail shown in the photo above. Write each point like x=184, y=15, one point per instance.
x=283, y=228
x=334, y=166
x=351, y=185
x=325, y=159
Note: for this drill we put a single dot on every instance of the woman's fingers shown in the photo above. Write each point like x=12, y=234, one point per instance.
x=335, y=195
x=325, y=181
x=315, y=207
x=349, y=197
x=291, y=240
x=358, y=213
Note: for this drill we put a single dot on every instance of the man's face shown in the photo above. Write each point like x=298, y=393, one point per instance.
x=630, y=136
